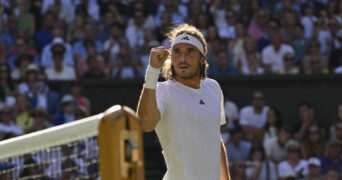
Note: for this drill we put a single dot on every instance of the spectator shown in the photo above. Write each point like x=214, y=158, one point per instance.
x=249, y=61
x=30, y=76
x=58, y=71
x=289, y=67
x=337, y=119
x=44, y=35
x=22, y=62
x=79, y=47
x=288, y=26
x=293, y=163
x=135, y=31
x=299, y=43
x=258, y=167
x=8, y=128
x=23, y=116
x=335, y=55
x=313, y=142
x=331, y=174
x=272, y=55
x=272, y=126
x=82, y=64
x=253, y=117
x=94, y=71
x=306, y=115
x=25, y=20
x=9, y=34
x=80, y=100
x=272, y=25
x=238, y=170
x=75, y=29
x=236, y=45
x=224, y=66
x=21, y=47
x=333, y=158
x=314, y=169
x=67, y=113
x=112, y=44
x=275, y=149
x=314, y=52
x=47, y=59
x=129, y=67
x=308, y=20
x=40, y=94
x=41, y=119
x=237, y=148
x=229, y=32
x=8, y=87
x=62, y=11
x=259, y=29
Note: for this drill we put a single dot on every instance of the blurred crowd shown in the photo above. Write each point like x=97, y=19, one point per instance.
x=78, y=40
x=262, y=145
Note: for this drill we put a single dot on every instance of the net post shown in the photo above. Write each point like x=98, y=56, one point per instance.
x=121, y=145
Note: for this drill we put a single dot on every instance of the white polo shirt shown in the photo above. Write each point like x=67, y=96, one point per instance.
x=275, y=58
x=189, y=131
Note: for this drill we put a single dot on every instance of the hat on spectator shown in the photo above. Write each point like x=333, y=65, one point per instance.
x=292, y=145
x=67, y=98
x=57, y=40
x=234, y=128
x=314, y=161
x=32, y=68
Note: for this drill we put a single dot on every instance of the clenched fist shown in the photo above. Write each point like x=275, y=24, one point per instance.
x=158, y=56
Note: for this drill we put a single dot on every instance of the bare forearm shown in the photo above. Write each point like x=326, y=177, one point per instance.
x=225, y=175
x=147, y=110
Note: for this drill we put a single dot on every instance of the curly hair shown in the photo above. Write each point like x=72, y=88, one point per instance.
x=167, y=70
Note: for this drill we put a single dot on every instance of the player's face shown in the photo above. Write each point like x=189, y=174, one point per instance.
x=186, y=60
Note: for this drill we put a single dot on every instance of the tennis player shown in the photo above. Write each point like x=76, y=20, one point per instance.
x=186, y=110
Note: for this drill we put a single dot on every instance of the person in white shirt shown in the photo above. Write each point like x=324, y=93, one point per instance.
x=186, y=110
x=272, y=55
x=253, y=117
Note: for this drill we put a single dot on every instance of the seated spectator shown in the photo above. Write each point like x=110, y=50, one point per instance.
x=67, y=113
x=21, y=47
x=80, y=99
x=314, y=169
x=79, y=46
x=23, y=116
x=271, y=128
x=253, y=117
x=238, y=170
x=41, y=120
x=18, y=73
x=306, y=115
x=82, y=64
x=253, y=66
x=275, y=148
x=314, y=52
x=30, y=76
x=313, y=142
x=40, y=94
x=332, y=174
x=44, y=35
x=224, y=66
x=237, y=148
x=58, y=71
x=333, y=158
x=130, y=65
x=293, y=163
x=316, y=66
x=8, y=128
x=258, y=167
x=259, y=29
x=47, y=54
x=272, y=55
x=289, y=65
x=299, y=44
x=338, y=118
x=94, y=71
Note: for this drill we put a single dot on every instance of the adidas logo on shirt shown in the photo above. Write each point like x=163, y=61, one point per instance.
x=201, y=102
x=185, y=38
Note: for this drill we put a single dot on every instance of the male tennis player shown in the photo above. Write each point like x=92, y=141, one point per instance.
x=186, y=110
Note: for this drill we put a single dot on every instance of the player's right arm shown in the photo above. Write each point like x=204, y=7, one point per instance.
x=147, y=110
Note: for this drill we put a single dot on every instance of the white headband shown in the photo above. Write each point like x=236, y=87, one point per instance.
x=189, y=39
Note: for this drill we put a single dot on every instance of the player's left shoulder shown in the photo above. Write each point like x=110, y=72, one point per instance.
x=211, y=82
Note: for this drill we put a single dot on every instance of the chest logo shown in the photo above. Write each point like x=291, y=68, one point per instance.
x=201, y=102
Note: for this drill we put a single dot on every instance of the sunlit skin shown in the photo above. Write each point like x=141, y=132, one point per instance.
x=186, y=60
